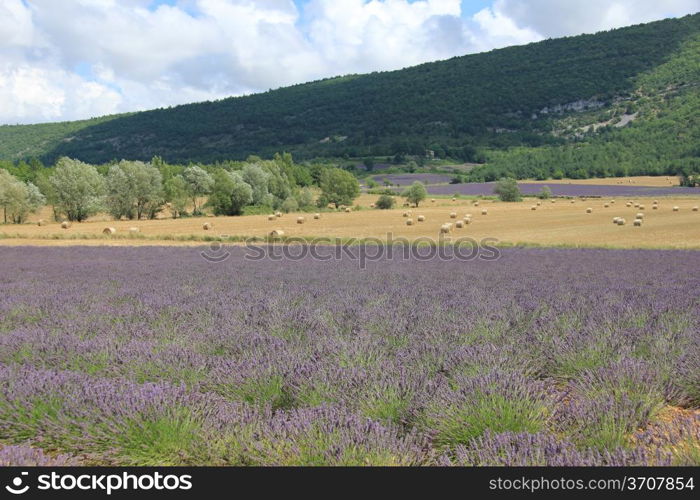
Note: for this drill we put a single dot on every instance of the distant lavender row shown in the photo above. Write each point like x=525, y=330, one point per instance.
x=154, y=356
x=408, y=179
x=486, y=189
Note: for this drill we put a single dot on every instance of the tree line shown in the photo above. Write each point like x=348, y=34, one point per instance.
x=142, y=190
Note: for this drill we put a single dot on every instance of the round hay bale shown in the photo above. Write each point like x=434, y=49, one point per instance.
x=278, y=214
x=476, y=203
x=277, y=233
x=640, y=215
x=41, y=222
x=654, y=207
x=589, y=210
x=615, y=219
x=317, y=216
x=628, y=204
x=453, y=215
x=573, y=201
x=459, y=224
x=373, y=206
x=348, y=210
x=612, y=202
x=606, y=205
x=533, y=207
x=65, y=224
x=484, y=212
x=539, y=203
x=454, y=199
x=676, y=209
x=432, y=200
x=271, y=217
x=421, y=218
x=655, y=202
x=407, y=214
x=134, y=230
x=446, y=228
x=468, y=216
x=621, y=221
x=409, y=222
x=206, y=226
x=467, y=220
x=636, y=205
x=300, y=220
x=641, y=207
x=109, y=230
x=695, y=209
x=552, y=201
x=637, y=222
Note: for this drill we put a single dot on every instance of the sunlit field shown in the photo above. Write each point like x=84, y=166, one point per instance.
x=561, y=222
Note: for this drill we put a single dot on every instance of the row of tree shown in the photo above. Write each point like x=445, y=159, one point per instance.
x=138, y=190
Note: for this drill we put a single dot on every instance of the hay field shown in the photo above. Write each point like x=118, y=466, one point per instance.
x=559, y=223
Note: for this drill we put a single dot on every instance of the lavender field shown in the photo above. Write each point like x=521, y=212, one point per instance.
x=592, y=190
x=156, y=356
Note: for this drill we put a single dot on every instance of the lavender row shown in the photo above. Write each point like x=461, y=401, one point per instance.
x=591, y=190
x=259, y=362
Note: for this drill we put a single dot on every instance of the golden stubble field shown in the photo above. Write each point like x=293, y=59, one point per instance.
x=640, y=180
x=559, y=223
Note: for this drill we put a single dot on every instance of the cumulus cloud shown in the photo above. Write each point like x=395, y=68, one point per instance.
x=80, y=58
x=554, y=18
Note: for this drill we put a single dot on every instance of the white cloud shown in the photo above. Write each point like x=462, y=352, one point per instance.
x=553, y=18
x=80, y=58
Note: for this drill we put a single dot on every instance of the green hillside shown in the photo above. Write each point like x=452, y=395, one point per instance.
x=528, y=102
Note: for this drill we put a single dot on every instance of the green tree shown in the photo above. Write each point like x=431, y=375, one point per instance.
x=18, y=199
x=416, y=193
x=385, y=202
x=119, y=200
x=305, y=198
x=199, y=183
x=77, y=189
x=257, y=178
x=176, y=194
x=134, y=190
x=338, y=187
x=507, y=190
x=230, y=193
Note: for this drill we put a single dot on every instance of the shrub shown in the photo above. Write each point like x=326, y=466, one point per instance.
x=507, y=190
x=545, y=193
x=385, y=202
x=289, y=205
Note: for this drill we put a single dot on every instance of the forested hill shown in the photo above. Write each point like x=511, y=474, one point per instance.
x=515, y=96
